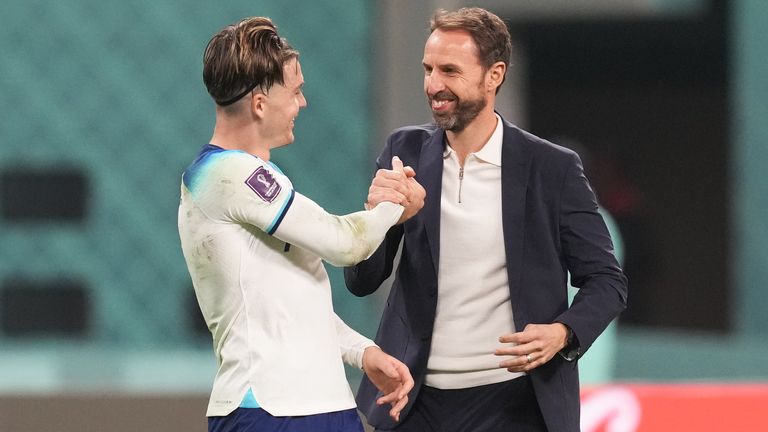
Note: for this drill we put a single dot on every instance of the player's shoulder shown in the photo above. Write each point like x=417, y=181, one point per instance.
x=212, y=155
x=214, y=162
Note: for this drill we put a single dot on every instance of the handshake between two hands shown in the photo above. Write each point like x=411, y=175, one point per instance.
x=399, y=186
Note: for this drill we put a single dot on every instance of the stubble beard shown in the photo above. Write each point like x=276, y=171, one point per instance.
x=464, y=113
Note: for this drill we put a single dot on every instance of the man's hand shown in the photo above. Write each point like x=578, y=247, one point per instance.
x=532, y=347
x=390, y=376
x=399, y=186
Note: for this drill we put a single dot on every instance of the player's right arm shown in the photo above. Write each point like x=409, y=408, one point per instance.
x=244, y=189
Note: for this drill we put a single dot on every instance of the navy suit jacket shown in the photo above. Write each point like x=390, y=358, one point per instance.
x=551, y=226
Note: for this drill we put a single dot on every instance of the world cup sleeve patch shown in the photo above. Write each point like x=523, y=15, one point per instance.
x=264, y=184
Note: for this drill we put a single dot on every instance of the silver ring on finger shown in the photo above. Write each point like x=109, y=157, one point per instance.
x=528, y=357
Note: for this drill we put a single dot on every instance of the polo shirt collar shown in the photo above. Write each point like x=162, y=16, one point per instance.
x=491, y=151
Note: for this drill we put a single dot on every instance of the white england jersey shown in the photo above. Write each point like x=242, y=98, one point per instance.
x=253, y=247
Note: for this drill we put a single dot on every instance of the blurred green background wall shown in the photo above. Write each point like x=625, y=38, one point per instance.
x=112, y=91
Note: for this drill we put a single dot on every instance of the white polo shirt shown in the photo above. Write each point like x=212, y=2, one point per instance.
x=253, y=247
x=473, y=301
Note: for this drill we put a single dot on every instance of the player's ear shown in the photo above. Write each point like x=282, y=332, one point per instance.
x=258, y=104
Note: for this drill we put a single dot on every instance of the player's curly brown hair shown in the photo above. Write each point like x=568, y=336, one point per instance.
x=244, y=56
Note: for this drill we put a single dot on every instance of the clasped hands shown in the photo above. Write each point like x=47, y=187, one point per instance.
x=399, y=186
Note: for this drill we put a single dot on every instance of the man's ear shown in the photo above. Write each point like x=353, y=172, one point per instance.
x=496, y=75
x=258, y=104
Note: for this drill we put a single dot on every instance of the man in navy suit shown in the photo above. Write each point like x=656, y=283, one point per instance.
x=479, y=306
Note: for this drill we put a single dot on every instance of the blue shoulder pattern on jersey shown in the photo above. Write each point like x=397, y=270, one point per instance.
x=195, y=172
x=196, y=169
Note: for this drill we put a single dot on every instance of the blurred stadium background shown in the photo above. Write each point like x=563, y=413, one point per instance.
x=103, y=105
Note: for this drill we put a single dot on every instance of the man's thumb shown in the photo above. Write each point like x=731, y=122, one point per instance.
x=397, y=164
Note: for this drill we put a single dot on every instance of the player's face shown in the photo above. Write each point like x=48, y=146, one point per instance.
x=454, y=79
x=283, y=103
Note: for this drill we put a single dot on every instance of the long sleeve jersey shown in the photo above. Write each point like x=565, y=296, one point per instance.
x=254, y=248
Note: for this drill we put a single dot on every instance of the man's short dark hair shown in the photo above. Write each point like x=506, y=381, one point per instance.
x=490, y=33
x=244, y=56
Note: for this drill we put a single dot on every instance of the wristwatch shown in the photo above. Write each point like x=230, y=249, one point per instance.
x=571, y=351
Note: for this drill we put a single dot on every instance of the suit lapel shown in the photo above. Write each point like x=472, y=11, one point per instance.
x=431, y=178
x=515, y=169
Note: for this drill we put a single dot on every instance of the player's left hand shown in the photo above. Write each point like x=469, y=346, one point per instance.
x=390, y=376
x=532, y=347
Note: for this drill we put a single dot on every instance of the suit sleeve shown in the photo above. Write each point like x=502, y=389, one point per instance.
x=367, y=276
x=589, y=254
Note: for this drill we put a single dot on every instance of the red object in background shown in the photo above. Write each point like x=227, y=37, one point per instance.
x=675, y=407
